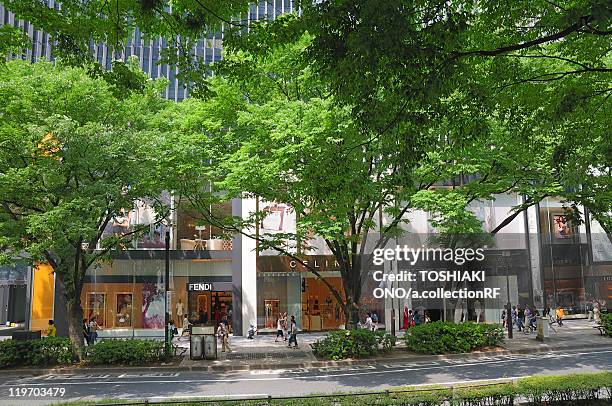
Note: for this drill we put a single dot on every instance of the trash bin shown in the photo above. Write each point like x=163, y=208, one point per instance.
x=210, y=346
x=542, y=327
x=196, y=347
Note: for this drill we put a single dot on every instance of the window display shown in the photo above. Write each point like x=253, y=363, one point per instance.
x=271, y=309
x=96, y=307
x=124, y=315
x=153, y=305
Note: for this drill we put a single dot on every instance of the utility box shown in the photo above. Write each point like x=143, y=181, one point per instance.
x=210, y=346
x=196, y=346
x=203, y=343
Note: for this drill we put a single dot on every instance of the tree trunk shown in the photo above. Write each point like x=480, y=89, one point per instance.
x=75, y=326
x=351, y=313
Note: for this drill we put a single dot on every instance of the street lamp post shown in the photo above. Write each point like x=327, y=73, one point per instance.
x=506, y=255
x=167, y=292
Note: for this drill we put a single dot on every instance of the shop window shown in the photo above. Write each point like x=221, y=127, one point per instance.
x=145, y=218
x=195, y=233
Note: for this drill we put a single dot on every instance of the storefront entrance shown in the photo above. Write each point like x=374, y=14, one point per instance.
x=208, y=308
x=320, y=309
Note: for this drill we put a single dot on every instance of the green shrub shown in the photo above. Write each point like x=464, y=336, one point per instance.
x=385, y=340
x=125, y=352
x=443, y=337
x=497, y=394
x=358, y=343
x=606, y=323
x=37, y=352
x=540, y=389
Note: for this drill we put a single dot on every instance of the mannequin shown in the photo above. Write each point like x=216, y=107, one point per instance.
x=179, y=310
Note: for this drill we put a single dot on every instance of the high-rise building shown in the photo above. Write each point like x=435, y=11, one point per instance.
x=148, y=52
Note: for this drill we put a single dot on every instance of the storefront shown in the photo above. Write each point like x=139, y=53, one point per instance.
x=13, y=294
x=286, y=286
x=129, y=295
x=208, y=303
x=565, y=262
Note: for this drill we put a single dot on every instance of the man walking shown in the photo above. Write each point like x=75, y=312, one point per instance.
x=293, y=333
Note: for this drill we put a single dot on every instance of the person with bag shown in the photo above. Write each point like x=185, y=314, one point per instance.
x=223, y=334
x=293, y=333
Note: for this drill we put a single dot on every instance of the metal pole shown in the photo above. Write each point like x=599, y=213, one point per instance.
x=167, y=289
x=509, y=311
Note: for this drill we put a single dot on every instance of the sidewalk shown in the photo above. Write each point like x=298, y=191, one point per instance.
x=262, y=353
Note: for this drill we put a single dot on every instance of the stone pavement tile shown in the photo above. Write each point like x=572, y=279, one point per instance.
x=573, y=334
x=263, y=352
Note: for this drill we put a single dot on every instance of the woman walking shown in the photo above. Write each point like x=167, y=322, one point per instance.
x=279, y=328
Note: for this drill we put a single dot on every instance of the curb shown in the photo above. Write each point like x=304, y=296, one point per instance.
x=297, y=365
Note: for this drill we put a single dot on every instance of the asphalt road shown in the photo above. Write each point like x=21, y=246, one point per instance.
x=157, y=386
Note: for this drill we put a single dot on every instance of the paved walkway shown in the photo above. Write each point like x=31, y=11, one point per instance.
x=263, y=352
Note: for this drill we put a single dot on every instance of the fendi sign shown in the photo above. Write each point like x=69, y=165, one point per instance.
x=199, y=287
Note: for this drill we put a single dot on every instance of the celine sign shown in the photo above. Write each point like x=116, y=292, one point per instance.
x=281, y=263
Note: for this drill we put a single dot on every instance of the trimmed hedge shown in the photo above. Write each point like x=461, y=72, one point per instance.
x=442, y=337
x=59, y=351
x=357, y=343
x=566, y=388
x=125, y=352
x=606, y=323
x=42, y=352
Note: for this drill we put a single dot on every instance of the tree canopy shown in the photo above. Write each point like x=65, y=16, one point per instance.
x=73, y=157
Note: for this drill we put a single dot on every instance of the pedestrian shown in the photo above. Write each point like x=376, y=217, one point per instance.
x=172, y=330
x=427, y=318
x=560, y=313
x=51, y=330
x=411, y=322
x=406, y=318
x=93, y=328
x=285, y=326
x=186, y=327
x=504, y=316
x=279, y=328
x=520, y=318
x=374, y=321
x=293, y=333
x=551, y=319
x=223, y=334
x=368, y=322
x=86, y=332
x=596, y=313
x=417, y=318
x=251, y=331
x=590, y=311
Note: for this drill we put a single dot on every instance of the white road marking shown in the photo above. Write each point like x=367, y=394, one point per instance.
x=227, y=379
x=221, y=396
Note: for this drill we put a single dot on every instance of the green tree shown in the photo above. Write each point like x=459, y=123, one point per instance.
x=273, y=130
x=73, y=156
